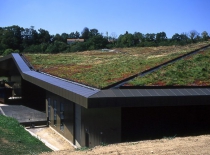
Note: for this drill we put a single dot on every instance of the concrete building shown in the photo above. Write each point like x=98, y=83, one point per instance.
x=88, y=116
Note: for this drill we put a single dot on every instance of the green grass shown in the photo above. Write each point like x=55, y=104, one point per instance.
x=14, y=140
x=191, y=71
x=100, y=69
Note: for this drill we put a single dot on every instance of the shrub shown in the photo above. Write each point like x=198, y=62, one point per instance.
x=7, y=52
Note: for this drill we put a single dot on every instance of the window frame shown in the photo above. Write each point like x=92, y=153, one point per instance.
x=62, y=116
x=49, y=109
x=55, y=112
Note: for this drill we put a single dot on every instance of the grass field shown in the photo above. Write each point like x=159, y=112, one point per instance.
x=191, y=71
x=100, y=69
x=15, y=140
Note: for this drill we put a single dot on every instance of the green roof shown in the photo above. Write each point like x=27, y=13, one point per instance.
x=100, y=69
x=191, y=71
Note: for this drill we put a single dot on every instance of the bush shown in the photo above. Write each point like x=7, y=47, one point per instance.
x=52, y=49
x=7, y=52
x=33, y=49
x=76, y=47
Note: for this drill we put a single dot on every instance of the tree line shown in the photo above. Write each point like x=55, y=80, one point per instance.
x=28, y=40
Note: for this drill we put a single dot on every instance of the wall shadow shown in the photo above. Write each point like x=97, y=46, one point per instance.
x=164, y=122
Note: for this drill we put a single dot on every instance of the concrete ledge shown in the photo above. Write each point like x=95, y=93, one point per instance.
x=64, y=137
x=44, y=141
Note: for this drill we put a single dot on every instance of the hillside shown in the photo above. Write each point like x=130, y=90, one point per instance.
x=14, y=139
x=100, y=69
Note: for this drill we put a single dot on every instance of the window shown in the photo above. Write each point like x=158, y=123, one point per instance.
x=49, y=108
x=62, y=116
x=55, y=112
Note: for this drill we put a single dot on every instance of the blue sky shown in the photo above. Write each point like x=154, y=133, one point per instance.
x=118, y=16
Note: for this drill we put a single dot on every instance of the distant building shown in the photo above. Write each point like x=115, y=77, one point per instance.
x=70, y=41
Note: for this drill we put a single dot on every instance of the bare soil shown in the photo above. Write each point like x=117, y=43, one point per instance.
x=177, y=146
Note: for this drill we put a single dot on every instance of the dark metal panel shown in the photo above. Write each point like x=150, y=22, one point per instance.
x=206, y=91
x=177, y=92
x=152, y=92
x=109, y=93
x=202, y=91
x=102, y=125
x=192, y=91
x=161, y=92
x=126, y=92
x=100, y=94
x=185, y=92
x=117, y=93
x=169, y=92
x=144, y=92
x=135, y=92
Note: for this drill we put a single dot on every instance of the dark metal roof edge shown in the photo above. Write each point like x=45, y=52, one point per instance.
x=106, y=93
x=25, y=73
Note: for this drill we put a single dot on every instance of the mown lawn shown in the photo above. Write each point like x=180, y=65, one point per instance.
x=14, y=140
x=191, y=71
x=100, y=69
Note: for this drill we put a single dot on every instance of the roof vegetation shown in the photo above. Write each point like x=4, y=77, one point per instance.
x=191, y=71
x=100, y=69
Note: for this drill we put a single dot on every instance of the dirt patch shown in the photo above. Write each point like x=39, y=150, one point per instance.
x=156, y=56
x=166, y=146
x=4, y=141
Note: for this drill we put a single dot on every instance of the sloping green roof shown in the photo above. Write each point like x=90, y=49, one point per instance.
x=191, y=71
x=100, y=69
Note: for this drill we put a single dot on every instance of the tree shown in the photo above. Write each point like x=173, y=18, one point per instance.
x=138, y=38
x=205, y=35
x=93, y=32
x=176, y=37
x=11, y=37
x=85, y=33
x=161, y=36
x=34, y=36
x=184, y=39
x=64, y=37
x=72, y=35
x=126, y=40
x=193, y=35
x=150, y=37
x=77, y=35
x=57, y=37
x=113, y=36
x=96, y=42
x=44, y=36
